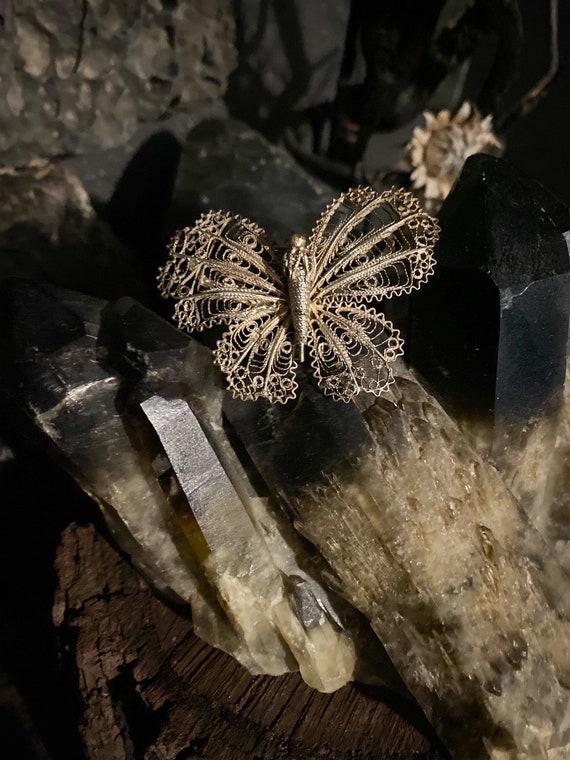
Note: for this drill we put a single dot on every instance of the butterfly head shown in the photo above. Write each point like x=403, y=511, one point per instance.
x=299, y=263
x=298, y=241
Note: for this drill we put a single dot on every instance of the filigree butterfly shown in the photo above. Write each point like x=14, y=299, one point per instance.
x=311, y=298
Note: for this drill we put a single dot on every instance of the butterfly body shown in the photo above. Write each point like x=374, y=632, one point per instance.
x=314, y=297
x=299, y=265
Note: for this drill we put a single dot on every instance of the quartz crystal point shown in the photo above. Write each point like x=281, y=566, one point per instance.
x=321, y=631
x=81, y=370
x=52, y=373
x=238, y=563
x=423, y=537
x=489, y=331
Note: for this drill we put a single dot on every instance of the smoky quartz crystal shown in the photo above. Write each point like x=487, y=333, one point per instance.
x=489, y=331
x=389, y=522
x=133, y=410
x=343, y=539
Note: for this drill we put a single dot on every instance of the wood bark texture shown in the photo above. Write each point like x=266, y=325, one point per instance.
x=151, y=689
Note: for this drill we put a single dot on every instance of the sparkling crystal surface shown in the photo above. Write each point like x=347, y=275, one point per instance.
x=424, y=538
x=489, y=331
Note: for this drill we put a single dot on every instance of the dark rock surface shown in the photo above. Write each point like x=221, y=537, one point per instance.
x=50, y=231
x=82, y=76
x=226, y=165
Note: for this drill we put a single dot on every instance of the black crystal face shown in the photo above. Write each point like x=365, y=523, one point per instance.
x=489, y=331
x=498, y=221
x=454, y=343
x=532, y=350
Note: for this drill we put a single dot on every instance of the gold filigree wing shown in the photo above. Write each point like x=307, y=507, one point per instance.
x=258, y=356
x=220, y=270
x=369, y=245
x=351, y=348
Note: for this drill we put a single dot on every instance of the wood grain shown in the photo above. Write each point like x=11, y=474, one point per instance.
x=151, y=689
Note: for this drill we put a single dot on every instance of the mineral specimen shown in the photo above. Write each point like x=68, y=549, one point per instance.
x=412, y=527
x=426, y=541
x=51, y=373
x=395, y=511
x=82, y=370
x=239, y=566
x=489, y=331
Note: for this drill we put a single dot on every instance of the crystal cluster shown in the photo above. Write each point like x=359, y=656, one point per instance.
x=182, y=506
x=428, y=543
x=405, y=521
x=502, y=290
x=313, y=535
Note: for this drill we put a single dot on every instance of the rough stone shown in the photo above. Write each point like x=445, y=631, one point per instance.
x=49, y=231
x=100, y=171
x=80, y=77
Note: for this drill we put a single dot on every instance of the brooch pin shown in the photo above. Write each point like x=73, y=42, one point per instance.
x=311, y=299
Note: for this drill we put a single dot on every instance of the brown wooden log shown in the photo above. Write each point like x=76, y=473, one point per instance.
x=153, y=690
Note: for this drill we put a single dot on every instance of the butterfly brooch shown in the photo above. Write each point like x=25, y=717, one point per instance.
x=311, y=298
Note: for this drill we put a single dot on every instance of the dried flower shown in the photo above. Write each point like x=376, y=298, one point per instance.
x=439, y=150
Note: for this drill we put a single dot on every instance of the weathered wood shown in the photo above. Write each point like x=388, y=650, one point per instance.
x=153, y=690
